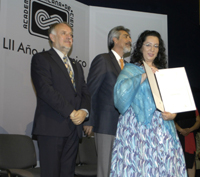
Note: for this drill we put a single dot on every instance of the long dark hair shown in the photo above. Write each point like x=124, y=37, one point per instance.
x=137, y=56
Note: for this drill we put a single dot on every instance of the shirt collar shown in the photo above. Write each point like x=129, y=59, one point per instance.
x=116, y=55
x=61, y=55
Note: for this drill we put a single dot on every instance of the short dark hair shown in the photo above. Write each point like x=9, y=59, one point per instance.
x=115, y=32
x=137, y=56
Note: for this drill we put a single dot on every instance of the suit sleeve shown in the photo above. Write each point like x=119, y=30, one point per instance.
x=95, y=79
x=85, y=95
x=42, y=80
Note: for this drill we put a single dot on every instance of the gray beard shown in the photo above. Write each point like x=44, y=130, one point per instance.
x=127, y=49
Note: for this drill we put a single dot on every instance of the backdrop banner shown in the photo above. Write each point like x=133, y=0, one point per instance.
x=102, y=20
x=23, y=33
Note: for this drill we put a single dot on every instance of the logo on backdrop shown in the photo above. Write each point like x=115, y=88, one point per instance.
x=41, y=14
x=38, y=15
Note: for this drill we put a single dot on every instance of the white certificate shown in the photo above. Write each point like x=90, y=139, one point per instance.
x=171, y=89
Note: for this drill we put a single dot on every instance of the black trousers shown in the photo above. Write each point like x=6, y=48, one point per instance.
x=58, y=155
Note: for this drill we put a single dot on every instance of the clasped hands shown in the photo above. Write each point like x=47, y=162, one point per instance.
x=78, y=117
x=184, y=131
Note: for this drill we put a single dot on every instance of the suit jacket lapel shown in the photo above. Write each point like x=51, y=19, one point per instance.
x=114, y=61
x=58, y=60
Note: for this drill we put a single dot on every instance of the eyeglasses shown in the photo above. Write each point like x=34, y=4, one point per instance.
x=149, y=45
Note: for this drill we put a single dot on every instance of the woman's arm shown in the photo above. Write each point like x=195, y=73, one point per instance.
x=195, y=126
x=186, y=131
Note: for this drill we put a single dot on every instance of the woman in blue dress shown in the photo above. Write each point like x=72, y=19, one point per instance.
x=146, y=143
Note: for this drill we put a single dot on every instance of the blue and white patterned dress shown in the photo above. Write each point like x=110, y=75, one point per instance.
x=146, y=149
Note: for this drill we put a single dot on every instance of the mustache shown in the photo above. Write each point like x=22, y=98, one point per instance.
x=129, y=43
x=68, y=41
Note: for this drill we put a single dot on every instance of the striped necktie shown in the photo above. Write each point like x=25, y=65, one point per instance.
x=69, y=69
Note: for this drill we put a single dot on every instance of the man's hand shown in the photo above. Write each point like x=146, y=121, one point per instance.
x=78, y=117
x=87, y=129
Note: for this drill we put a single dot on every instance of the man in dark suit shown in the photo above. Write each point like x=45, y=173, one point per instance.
x=61, y=105
x=103, y=118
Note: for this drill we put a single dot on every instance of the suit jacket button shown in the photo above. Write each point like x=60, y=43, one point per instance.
x=76, y=95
